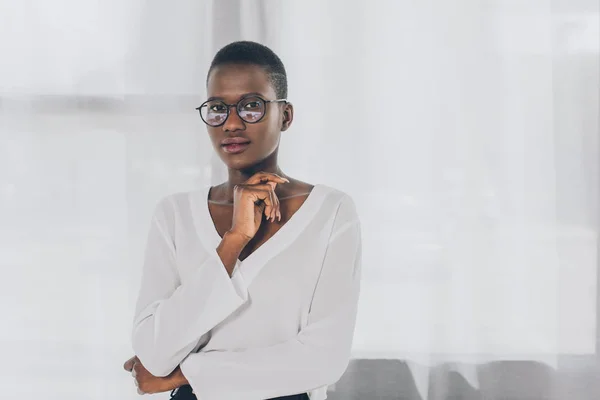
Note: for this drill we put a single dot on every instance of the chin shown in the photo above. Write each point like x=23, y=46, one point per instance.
x=248, y=160
x=239, y=163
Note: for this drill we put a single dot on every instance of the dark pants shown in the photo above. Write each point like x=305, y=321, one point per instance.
x=185, y=393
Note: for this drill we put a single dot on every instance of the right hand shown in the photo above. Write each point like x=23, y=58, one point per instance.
x=253, y=199
x=128, y=365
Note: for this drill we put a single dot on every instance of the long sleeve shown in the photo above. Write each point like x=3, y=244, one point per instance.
x=170, y=317
x=317, y=356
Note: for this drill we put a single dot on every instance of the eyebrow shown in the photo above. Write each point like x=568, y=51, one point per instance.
x=241, y=97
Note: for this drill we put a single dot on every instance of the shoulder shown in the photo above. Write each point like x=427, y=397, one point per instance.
x=178, y=198
x=169, y=206
x=341, y=202
x=338, y=196
x=344, y=215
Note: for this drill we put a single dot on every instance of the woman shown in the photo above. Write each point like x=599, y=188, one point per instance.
x=249, y=288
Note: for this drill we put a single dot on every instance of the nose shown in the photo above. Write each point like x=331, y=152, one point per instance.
x=233, y=122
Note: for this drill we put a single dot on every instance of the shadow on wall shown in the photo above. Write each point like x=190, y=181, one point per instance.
x=502, y=380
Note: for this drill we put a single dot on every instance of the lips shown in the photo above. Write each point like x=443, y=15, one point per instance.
x=234, y=140
x=235, y=145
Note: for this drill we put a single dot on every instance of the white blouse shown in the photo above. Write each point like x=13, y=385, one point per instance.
x=282, y=324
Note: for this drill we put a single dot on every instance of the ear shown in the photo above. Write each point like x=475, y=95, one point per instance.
x=288, y=116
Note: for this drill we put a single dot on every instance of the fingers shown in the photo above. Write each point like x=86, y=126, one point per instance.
x=134, y=373
x=264, y=177
x=271, y=200
x=274, y=204
x=265, y=193
x=259, y=182
x=128, y=366
x=273, y=179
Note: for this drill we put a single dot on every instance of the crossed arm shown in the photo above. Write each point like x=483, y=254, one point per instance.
x=169, y=321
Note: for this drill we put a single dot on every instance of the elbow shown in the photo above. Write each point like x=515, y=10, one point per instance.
x=156, y=365
x=337, y=369
x=327, y=359
x=154, y=360
x=158, y=368
x=333, y=366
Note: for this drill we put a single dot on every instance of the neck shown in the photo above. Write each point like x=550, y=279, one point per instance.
x=238, y=176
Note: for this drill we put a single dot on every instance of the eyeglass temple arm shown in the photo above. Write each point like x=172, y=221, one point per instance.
x=266, y=101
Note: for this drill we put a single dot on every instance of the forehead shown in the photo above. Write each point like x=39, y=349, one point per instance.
x=231, y=81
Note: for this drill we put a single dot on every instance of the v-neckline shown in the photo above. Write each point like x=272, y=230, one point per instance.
x=279, y=241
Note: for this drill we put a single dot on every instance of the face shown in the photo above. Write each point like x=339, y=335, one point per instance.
x=230, y=84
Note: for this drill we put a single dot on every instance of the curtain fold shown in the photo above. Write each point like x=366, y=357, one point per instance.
x=467, y=133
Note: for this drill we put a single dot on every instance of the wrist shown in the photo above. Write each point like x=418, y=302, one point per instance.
x=178, y=378
x=230, y=248
x=237, y=238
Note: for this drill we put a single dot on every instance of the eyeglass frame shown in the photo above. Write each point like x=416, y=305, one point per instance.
x=228, y=106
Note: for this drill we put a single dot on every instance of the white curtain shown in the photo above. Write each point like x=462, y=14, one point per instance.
x=466, y=131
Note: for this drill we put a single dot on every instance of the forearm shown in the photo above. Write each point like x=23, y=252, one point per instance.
x=166, y=330
x=316, y=357
x=178, y=378
x=295, y=366
x=230, y=248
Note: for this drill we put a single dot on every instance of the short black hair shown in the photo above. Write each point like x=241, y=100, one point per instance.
x=246, y=52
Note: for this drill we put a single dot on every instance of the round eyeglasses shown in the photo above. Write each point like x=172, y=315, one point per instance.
x=250, y=109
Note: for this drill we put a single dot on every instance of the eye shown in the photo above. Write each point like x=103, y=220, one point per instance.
x=217, y=108
x=252, y=105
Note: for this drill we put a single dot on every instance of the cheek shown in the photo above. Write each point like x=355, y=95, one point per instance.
x=273, y=126
x=271, y=136
x=215, y=137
